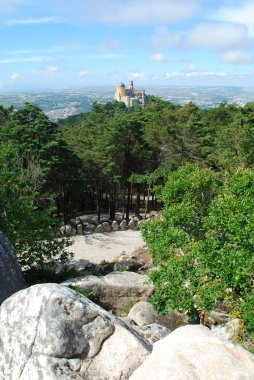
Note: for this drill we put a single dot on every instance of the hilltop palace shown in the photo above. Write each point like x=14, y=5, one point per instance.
x=129, y=96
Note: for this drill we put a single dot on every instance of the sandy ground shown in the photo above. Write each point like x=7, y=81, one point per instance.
x=104, y=246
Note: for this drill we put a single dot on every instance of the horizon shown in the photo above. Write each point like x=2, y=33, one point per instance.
x=113, y=87
x=83, y=43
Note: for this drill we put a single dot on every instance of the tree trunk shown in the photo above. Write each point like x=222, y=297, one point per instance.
x=111, y=199
x=123, y=207
x=98, y=206
x=128, y=202
x=147, y=200
x=138, y=200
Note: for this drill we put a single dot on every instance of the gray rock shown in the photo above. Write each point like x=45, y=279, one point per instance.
x=114, y=226
x=152, y=214
x=11, y=279
x=153, y=332
x=50, y=332
x=117, y=290
x=106, y=227
x=193, y=352
x=133, y=224
x=229, y=331
x=130, y=264
x=216, y=318
x=68, y=230
x=142, y=221
x=99, y=229
x=62, y=230
x=143, y=314
x=123, y=225
x=90, y=227
x=79, y=229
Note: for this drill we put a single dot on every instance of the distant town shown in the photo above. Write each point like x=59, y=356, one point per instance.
x=60, y=104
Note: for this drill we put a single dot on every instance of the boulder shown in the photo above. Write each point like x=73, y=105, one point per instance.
x=193, y=353
x=106, y=227
x=231, y=330
x=114, y=226
x=117, y=291
x=153, y=332
x=51, y=332
x=216, y=317
x=11, y=279
x=123, y=225
x=99, y=229
x=143, y=313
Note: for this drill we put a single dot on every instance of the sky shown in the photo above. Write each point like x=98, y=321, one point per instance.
x=74, y=44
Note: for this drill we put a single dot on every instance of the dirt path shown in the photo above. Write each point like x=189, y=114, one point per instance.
x=106, y=246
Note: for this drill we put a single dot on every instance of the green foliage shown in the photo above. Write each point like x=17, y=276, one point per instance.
x=86, y=293
x=203, y=247
x=26, y=212
x=47, y=274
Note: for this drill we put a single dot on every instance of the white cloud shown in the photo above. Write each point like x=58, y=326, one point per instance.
x=83, y=72
x=193, y=68
x=241, y=14
x=15, y=76
x=236, y=57
x=132, y=12
x=136, y=74
x=157, y=57
x=164, y=39
x=106, y=56
x=46, y=71
x=34, y=21
x=108, y=46
x=220, y=36
x=17, y=52
x=21, y=59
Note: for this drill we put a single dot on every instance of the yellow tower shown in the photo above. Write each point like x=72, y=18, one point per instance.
x=120, y=92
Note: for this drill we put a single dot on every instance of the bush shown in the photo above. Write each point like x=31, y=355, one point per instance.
x=203, y=248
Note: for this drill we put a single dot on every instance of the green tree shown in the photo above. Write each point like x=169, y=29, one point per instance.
x=203, y=247
x=31, y=230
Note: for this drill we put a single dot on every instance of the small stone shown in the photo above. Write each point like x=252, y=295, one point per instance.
x=115, y=226
x=131, y=264
x=123, y=225
x=106, y=227
x=133, y=224
x=79, y=229
x=68, y=229
x=99, y=229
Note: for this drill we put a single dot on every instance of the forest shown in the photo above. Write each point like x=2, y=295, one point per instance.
x=197, y=166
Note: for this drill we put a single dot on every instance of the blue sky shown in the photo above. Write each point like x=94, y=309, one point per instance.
x=66, y=44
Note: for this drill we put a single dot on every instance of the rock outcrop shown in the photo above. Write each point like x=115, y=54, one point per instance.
x=51, y=332
x=194, y=353
x=143, y=314
x=116, y=291
x=11, y=279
